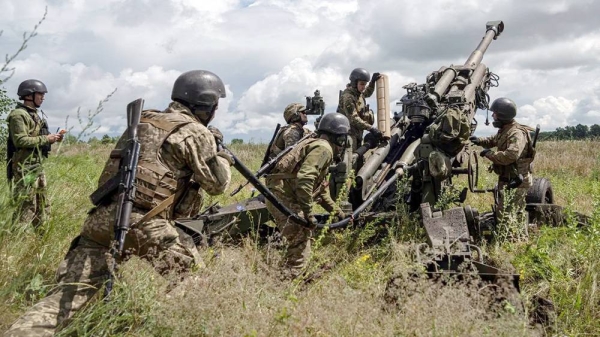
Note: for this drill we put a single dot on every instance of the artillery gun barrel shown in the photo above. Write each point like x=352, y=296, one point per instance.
x=493, y=30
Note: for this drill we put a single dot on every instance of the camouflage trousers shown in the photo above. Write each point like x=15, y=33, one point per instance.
x=296, y=237
x=85, y=268
x=30, y=196
x=516, y=204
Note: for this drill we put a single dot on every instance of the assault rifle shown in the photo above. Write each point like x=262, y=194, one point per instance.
x=126, y=188
x=268, y=166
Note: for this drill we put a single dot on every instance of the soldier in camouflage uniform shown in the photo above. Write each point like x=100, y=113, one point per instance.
x=294, y=114
x=28, y=142
x=178, y=159
x=353, y=105
x=514, y=155
x=298, y=180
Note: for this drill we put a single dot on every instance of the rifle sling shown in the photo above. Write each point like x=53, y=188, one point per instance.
x=156, y=210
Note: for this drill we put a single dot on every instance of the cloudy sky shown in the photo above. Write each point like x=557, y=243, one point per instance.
x=274, y=52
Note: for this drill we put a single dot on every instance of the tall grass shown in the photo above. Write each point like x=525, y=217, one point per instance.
x=359, y=282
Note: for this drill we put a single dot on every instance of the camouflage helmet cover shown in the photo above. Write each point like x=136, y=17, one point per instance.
x=29, y=87
x=334, y=123
x=505, y=109
x=291, y=113
x=198, y=87
x=359, y=74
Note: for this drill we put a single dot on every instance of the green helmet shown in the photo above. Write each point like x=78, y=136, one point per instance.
x=505, y=109
x=292, y=112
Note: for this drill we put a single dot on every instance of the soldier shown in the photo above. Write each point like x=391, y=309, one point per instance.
x=298, y=180
x=294, y=114
x=354, y=107
x=28, y=143
x=178, y=159
x=514, y=155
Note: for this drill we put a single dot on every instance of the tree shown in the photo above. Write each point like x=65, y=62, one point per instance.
x=237, y=141
x=594, y=131
x=106, y=139
x=580, y=131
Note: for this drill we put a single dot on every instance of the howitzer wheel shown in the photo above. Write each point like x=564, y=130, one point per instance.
x=473, y=171
x=540, y=192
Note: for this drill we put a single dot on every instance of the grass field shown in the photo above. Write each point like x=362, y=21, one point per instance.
x=240, y=291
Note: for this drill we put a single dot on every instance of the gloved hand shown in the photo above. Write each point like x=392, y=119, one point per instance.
x=375, y=131
x=312, y=221
x=475, y=140
x=375, y=77
x=216, y=133
x=485, y=152
x=339, y=216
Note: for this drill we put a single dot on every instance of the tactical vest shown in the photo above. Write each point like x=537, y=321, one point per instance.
x=288, y=166
x=279, y=143
x=154, y=180
x=523, y=165
x=16, y=155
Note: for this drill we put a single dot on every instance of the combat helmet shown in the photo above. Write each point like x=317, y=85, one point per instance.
x=336, y=126
x=198, y=88
x=292, y=112
x=359, y=74
x=505, y=109
x=29, y=87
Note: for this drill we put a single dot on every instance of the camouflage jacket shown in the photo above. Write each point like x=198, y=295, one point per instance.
x=301, y=174
x=353, y=105
x=286, y=137
x=24, y=125
x=187, y=160
x=514, y=153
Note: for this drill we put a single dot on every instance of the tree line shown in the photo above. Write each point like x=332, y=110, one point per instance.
x=577, y=132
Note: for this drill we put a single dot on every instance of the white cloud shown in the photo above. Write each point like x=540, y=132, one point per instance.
x=274, y=52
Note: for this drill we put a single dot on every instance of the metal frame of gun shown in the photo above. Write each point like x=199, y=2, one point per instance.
x=246, y=173
x=127, y=171
x=268, y=166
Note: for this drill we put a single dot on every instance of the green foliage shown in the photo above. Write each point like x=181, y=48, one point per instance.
x=6, y=105
x=342, y=292
x=237, y=141
x=577, y=132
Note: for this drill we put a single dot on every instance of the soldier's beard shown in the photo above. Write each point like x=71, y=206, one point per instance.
x=497, y=124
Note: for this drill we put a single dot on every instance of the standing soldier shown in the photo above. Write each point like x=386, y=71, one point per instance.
x=354, y=107
x=28, y=143
x=514, y=155
x=298, y=180
x=178, y=159
x=295, y=115
x=352, y=104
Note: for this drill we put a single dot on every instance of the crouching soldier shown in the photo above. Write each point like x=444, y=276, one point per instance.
x=299, y=179
x=178, y=160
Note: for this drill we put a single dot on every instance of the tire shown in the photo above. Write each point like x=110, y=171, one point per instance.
x=540, y=192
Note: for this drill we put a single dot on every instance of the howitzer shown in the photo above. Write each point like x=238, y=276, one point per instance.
x=126, y=188
x=436, y=122
x=268, y=166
